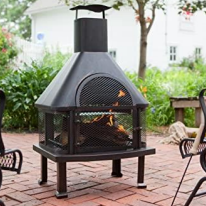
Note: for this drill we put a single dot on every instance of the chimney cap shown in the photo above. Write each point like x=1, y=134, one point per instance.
x=92, y=7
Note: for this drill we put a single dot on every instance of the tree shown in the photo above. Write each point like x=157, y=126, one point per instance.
x=140, y=8
x=12, y=17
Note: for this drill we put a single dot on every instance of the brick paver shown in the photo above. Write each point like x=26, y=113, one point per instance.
x=91, y=184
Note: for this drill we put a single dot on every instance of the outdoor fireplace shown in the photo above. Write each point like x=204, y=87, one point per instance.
x=91, y=111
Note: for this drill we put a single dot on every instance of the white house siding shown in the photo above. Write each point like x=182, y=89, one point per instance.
x=57, y=26
x=186, y=34
x=157, y=44
x=123, y=33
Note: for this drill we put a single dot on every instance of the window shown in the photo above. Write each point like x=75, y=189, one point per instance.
x=173, y=53
x=113, y=53
x=198, y=53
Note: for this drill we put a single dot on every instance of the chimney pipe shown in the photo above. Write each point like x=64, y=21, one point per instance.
x=90, y=34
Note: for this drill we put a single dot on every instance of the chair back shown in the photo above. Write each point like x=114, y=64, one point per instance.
x=2, y=106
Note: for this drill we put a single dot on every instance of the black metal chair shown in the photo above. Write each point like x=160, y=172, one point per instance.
x=190, y=147
x=10, y=159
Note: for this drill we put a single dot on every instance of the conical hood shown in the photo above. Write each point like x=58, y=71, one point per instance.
x=91, y=78
x=64, y=91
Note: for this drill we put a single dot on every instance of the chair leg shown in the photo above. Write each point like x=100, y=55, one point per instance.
x=193, y=194
x=1, y=177
x=44, y=170
x=2, y=203
x=20, y=161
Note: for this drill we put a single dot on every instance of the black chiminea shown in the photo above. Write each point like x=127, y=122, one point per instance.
x=91, y=111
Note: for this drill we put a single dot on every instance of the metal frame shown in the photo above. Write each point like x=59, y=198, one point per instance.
x=185, y=146
x=61, y=158
x=116, y=157
x=8, y=158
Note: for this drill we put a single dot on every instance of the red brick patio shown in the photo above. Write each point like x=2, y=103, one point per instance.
x=90, y=183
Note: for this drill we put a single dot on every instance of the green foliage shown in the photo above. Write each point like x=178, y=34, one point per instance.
x=192, y=62
x=192, y=6
x=159, y=86
x=23, y=87
x=8, y=50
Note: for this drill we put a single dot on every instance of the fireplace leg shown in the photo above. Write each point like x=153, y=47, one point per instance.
x=116, y=168
x=140, y=181
x=61, y=180
x=43, y=170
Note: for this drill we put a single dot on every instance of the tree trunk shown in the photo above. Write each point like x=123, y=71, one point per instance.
x=143, y=52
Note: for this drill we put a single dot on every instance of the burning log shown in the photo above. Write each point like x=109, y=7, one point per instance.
x=106, y=129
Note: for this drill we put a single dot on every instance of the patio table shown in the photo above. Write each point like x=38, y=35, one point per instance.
x=180, y=103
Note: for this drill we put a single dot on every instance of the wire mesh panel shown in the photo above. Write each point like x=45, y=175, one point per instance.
x=104, y=131
x=143, y=130
x=54, y=130
x=41, y=127
x=93, y=131
x=104, y=91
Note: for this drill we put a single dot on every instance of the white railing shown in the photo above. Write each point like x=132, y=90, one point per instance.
x=28, y=52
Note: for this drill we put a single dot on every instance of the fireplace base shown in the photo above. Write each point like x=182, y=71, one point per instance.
x=62, y=159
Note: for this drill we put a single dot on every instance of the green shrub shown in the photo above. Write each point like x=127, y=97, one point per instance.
x=23, y=87
x=159, y=86
x=159, y=111
x=191, y=62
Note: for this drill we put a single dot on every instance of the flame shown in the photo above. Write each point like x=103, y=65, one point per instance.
x=116, y=104
x=121, y=129
x=111, y=120
x=121, y=93
x=97, y=119
x=110, y=123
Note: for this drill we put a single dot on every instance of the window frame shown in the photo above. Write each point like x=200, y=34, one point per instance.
x=198, y=54
x=173, y=53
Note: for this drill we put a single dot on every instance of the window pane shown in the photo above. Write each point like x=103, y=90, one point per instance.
x=173, y=53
